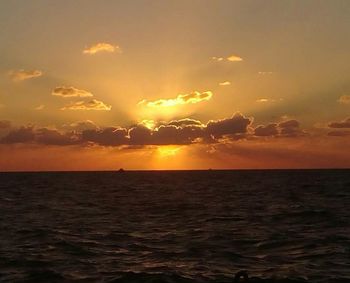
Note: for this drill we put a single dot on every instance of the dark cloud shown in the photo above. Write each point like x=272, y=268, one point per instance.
x=238, y=124
x=4, y=124
x=53, y=137
x=21, y=135
x=340, y=125
x=183, y=131
x=268, y=130
x=170, y=134
x=80, y=126
x=185, y=122
x=176, y=132
x=339, y=133
x=108, y=136
x=41, y=136
x=289, y=124
x=140, y=135
x=290, y=128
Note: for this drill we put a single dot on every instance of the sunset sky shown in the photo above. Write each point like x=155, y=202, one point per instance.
x=185, y=84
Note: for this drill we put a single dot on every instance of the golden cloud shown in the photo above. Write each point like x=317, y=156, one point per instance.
x=265, y=73
x=181, y=99
x=40, y=107
x=217, y=58
x=70, y=91
x=88, y=105
x=101, y=47
x=22, y=75
x=225, y=83
x=262, y=100
x=345, y=99
x=234, y=58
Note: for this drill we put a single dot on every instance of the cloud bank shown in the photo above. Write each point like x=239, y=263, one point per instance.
x=175, y=132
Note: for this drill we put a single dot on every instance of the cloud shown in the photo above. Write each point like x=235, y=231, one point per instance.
x=4, y=124
x=21, y=135
x=265, y=100
x=262, y=100
x=22, y=75
x=231, y=58
x=70, y=91
x=289, y=128
x=140, y=135
x=339, y=125
x=150, y=124
x=176, y=132
x=30, y=134
x=81, y=126
x=173, y=135
x=40, y=107
x=234, y=58
x=269, y=130
x=101, y=47
x=344, y=99
x=110, y=136
x=225, y=83
x=53, y=137
x=181, y=99
x=263, y=73
x=237, y=124
x=218, y=59
x=88, y=105
x=339, y=133
x=185, y=122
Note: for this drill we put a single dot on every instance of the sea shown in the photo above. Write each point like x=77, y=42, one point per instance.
x=175, y=226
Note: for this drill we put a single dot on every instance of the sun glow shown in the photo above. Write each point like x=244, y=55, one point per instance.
x=167, y=151
x=150, y=124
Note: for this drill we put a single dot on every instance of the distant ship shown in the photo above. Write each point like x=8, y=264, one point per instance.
x=121, y=170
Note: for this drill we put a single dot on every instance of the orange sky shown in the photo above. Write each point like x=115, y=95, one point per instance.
x=98, y=85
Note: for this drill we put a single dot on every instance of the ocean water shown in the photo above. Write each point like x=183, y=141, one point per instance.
x=179, y=226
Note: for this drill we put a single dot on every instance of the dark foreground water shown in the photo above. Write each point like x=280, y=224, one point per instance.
x=175, y=226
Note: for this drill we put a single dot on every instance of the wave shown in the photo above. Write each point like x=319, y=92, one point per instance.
x=132, y=277
x=46, y=275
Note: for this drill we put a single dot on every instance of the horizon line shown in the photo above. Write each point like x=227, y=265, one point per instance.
x=176, y=170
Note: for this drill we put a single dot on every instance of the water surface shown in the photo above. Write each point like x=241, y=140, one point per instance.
x=179, y=226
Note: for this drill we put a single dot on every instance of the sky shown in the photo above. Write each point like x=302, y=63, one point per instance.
x=185, y=84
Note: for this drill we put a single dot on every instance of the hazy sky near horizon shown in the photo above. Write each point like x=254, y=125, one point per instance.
x=174, y=84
